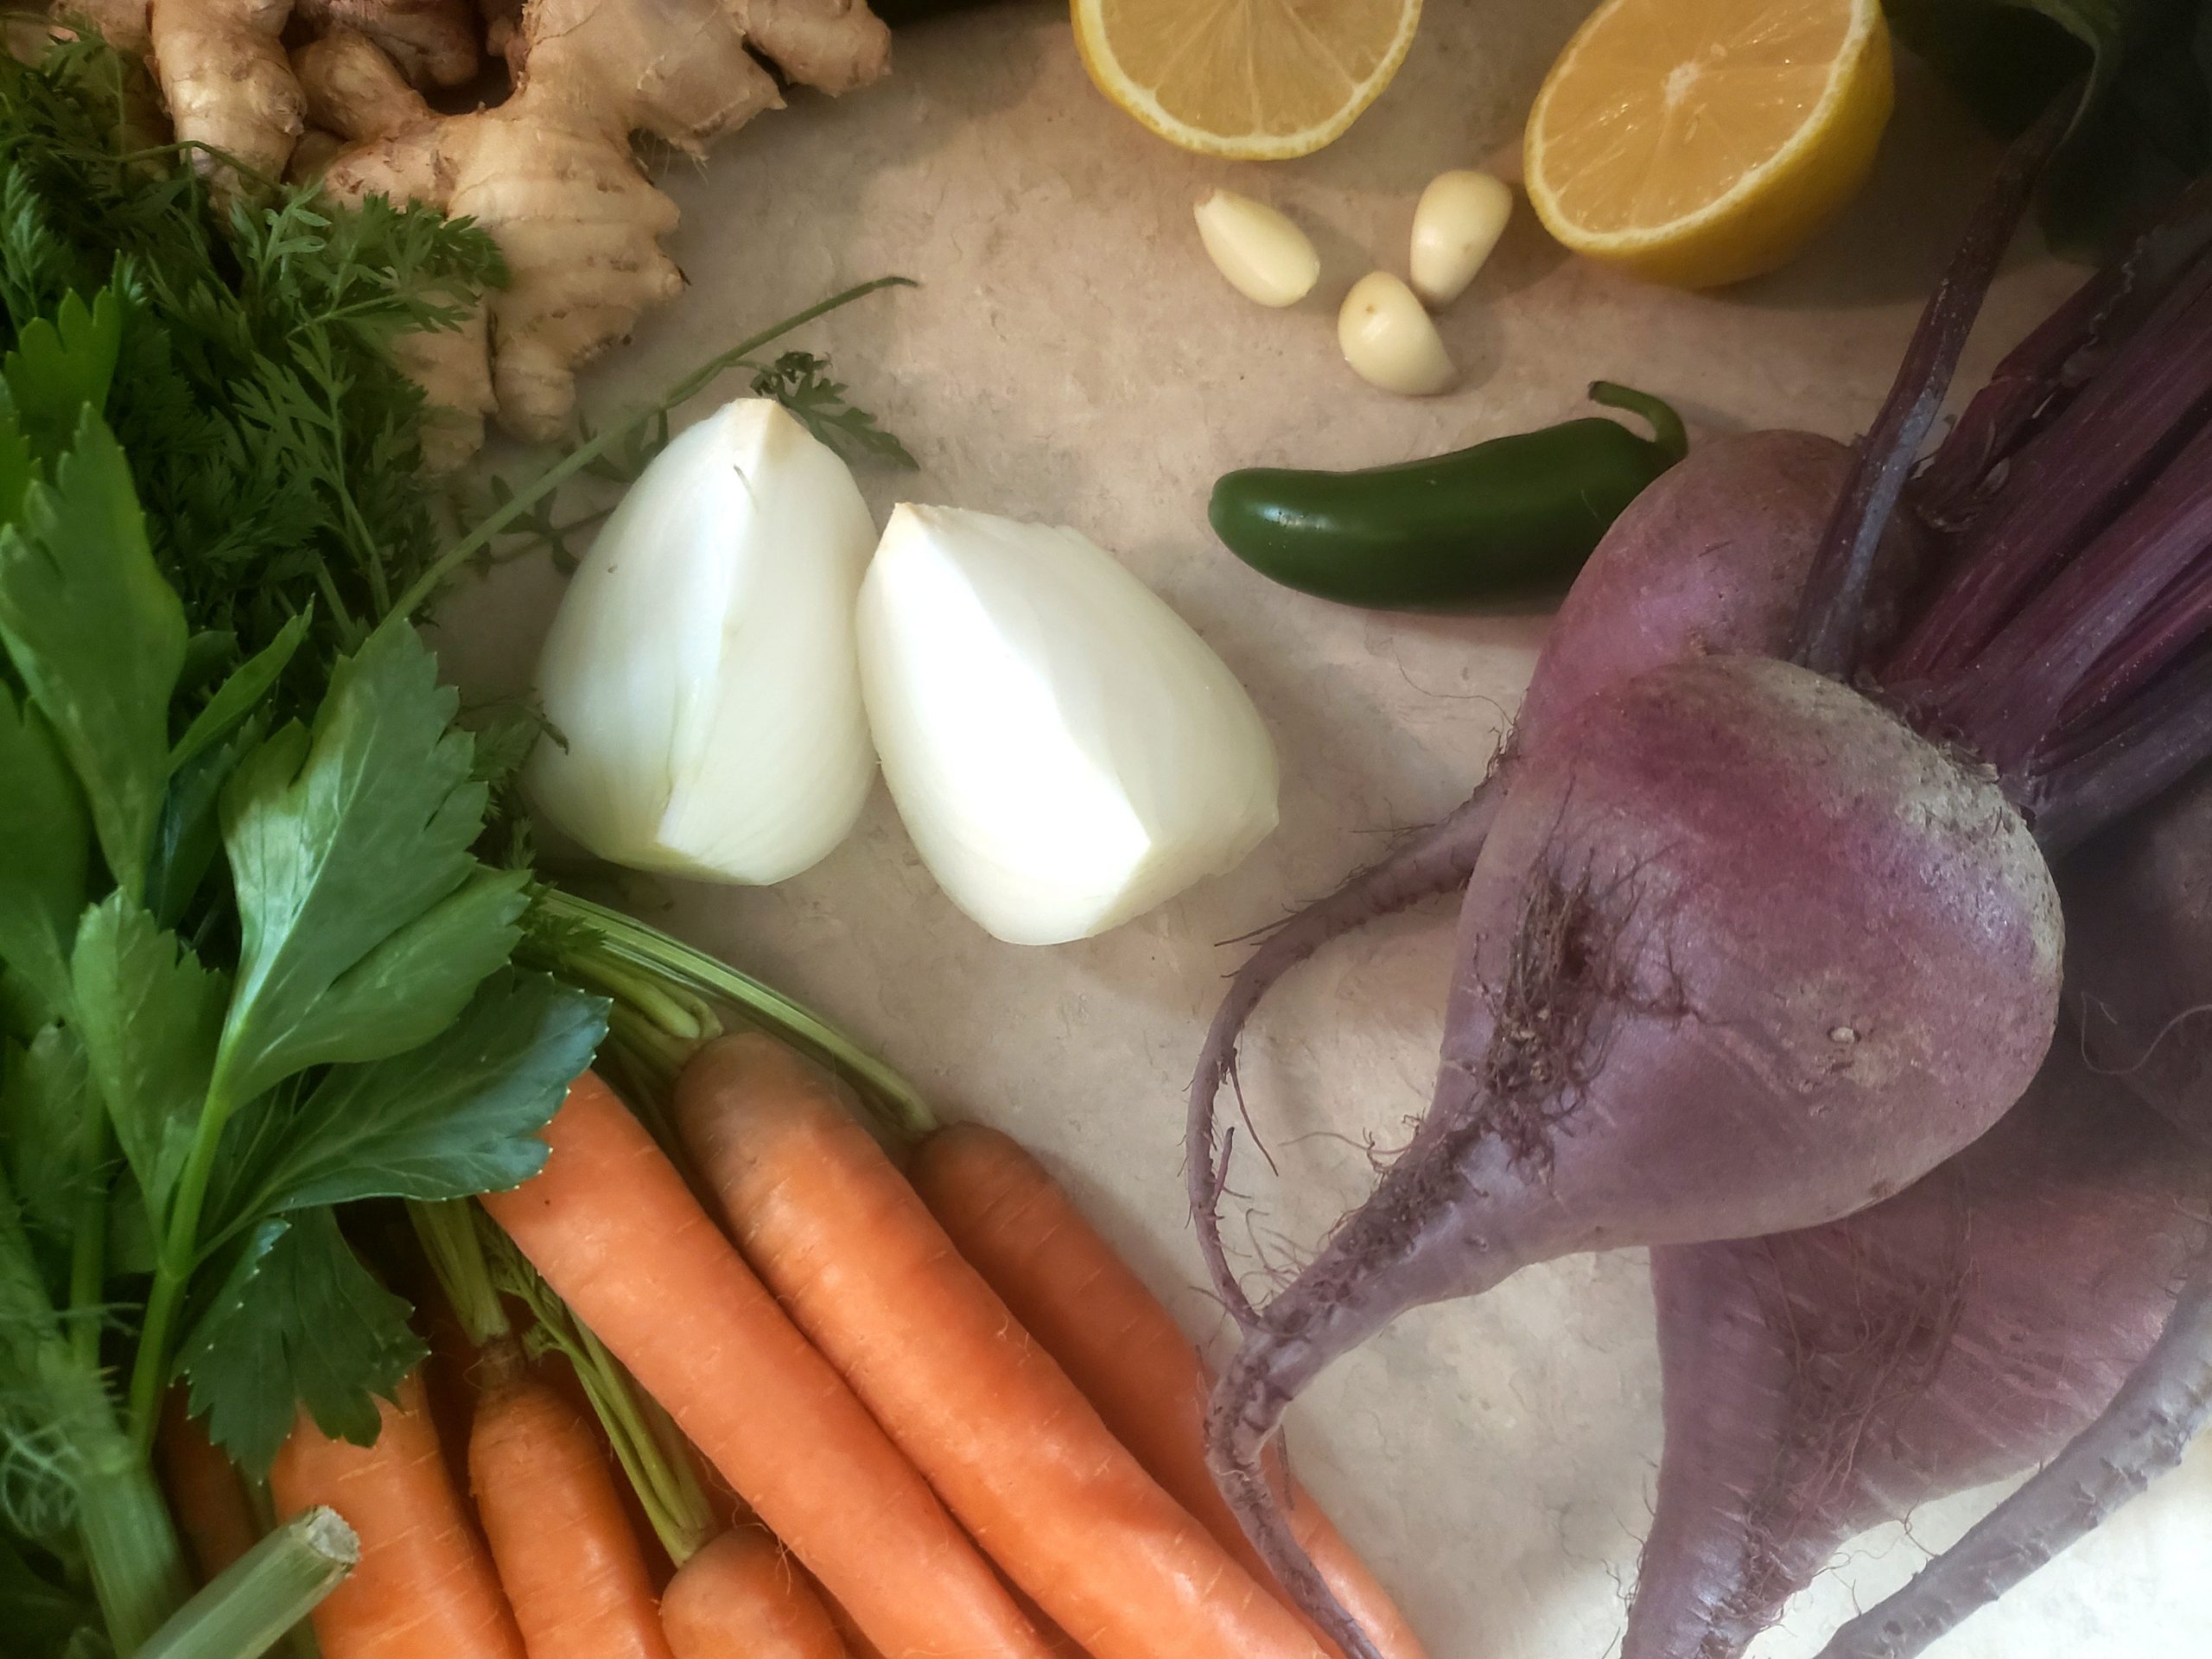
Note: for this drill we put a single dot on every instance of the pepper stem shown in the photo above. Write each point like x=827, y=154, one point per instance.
x=1667, y=430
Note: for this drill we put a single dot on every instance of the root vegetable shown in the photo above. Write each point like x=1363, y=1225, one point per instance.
x=550, y=175
x=560, y=1536
x=2139, y=972
x=743, y=1595
x=223, y=75
x=433, y=42
x=425, y=1587
x=1067, y=1286
x=1710, y=558
x=1019, y=1454
x=616, y=1233
x=1818, y=1383
x=1744, y=951
x=206, y=1490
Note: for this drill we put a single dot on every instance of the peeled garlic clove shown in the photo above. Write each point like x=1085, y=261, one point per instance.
x=1458, y=222
x=1265, y=257
x=1065, y=749
x=702, y=671
x=1388, y=340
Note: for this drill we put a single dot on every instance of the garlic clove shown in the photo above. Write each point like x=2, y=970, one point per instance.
x=1457, y=224
x=1388, y=340
x=1265, y=257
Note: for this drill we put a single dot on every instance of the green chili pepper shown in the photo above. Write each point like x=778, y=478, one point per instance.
x=1505, y=519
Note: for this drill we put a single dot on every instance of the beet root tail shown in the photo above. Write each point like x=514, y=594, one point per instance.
x=1248, y=1407
x=2141, y=1435
x=1436, y=859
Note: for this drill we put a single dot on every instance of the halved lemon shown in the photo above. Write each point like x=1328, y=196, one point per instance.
x=1254, y=80
x=1700, y=141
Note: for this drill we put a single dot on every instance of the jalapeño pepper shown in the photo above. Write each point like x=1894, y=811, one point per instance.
x=1505, y=519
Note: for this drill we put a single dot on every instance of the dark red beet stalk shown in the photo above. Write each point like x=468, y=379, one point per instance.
x=1821, y=1382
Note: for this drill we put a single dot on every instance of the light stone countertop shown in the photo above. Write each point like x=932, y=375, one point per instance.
x=1073, y=357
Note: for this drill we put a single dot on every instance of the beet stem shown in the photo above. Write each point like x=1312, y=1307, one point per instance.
x=2008, y=702
x=1828, y=626
x=2036, y=378
x=2095, y=777
x=1432, y=861
x=2141, y=1435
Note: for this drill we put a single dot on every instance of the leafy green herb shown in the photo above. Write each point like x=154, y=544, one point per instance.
x=296, y=1322
x=76, y=579
x=44, y=827
x=800, y=382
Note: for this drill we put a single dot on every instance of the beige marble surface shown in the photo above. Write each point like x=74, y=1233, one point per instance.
x=1071, y=357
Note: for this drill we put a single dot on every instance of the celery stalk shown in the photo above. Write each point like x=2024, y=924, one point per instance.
x=262, y=1594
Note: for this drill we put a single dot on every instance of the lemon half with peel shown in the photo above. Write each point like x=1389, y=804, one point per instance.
x=1702, y=142
x=1252, y=80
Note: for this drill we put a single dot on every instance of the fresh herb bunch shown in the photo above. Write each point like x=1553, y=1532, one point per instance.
x=273, y=439
x=255, y=966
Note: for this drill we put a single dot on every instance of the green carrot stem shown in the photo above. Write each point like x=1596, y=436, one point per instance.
x=253, y=1602
x=593, y=448
x=450, y=1238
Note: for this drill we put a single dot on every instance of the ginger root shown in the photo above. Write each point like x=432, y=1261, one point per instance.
x=550, y=172
x=433, y=42
x=224, y=74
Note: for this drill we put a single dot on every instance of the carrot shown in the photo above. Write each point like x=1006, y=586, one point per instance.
x=1118, y=1343
x=425, y=1588
x=206, y=1493
x=742, y=1595
x=613, y=1230
x=1017, y=1451
x=560, y=1536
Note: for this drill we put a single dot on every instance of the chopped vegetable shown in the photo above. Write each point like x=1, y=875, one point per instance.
x=253, y=1603
x=1065, y=751
x=614, y=1229
x=1504, y=519
x=1265, y=257
x=700, y=678
x=1388, y=340
x=1457, y=223
x=1019, y=1456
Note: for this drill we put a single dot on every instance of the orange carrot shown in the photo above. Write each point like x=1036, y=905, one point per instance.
x=611, y=1225
x=425, y=1588
x=1012, y=1445
x=1120, y=1345
x=567, y=1556
x=206, y=1490
x=742, y=1598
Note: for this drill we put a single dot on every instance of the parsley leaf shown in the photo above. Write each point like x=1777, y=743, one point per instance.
x=365, y=923
x=297, y=1321
x=43, y=827
x=97, y=637
x=456, y=1116
x=148, y=1015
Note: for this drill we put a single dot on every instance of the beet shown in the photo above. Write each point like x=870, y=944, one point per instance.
x=1819, y=1383
x=1751, y=943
